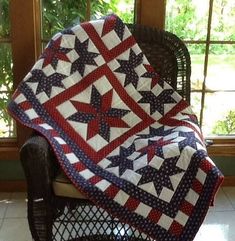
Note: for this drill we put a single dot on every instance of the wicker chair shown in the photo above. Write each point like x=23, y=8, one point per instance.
x=56, y=210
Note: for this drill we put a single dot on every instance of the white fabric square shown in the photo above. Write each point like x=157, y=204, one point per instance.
x=111, y=39
x=87, y=174
x=72, y=79
x=67, y=41
x=88, y=69
x=166, y=194
x=171, y=150
x=97, y=142
x=63, y=67
x=131, y=119
x=156, y=162
x=143, y=210
x=140, y=70
x=156, y=115
x=181, y=218
x=165, y=221
x=201, y=176
x=46, y=126
x=55, y=91
x=31, y=113
x=103, y=86
x=98, y=25
x=104, y=163
x=80, y=33
x=185, y=157
x=144, y=84
x=72, y=55
x=20, y=98
x=131, y=176
x=136, y=49
x=48, y=70
x=121, y=197
x=176, y=97
x=192, y=197
x=99, y=60
x=60, y=140
x=66, y=109
x=103, y=185
x=113, y=64
x=72, y=158
x=42, y=97
x=168, y=107
x=140, y=162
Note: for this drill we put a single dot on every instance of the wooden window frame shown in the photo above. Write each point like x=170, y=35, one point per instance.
x=25, y=17
x=24, y=37
x=222, y=146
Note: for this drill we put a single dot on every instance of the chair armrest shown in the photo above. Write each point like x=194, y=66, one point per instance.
x=39, y=165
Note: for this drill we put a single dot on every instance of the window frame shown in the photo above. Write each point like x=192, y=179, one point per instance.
x=26, y=15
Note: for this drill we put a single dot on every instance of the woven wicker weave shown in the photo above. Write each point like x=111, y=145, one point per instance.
x=59, y=218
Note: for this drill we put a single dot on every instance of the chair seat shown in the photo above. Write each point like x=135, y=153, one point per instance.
x=62, y=186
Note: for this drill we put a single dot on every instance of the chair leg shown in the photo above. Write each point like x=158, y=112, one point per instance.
x=40, y=220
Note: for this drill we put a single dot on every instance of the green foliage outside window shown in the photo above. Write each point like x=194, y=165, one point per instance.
x=58, y=15
x=6, y=83
x=225, y=126
x=4, y=19
x=188, y=20
x=123, y=8
x=6, y=76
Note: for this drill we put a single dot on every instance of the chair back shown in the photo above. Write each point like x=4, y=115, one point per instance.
x=167, y=54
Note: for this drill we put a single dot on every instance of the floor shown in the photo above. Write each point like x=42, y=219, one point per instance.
x=219, y=224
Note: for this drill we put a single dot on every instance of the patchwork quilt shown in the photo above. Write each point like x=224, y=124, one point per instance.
x=124, y=137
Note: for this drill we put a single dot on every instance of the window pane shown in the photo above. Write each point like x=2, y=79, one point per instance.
x=7, y=125
x=6, y=83
x=221, y=68
x=196, y=103
x=197, y=54
x=222, y=27
x=219, y=114
x=58, y=14
x=4, y=19
x=187, y=19
x=123, y=8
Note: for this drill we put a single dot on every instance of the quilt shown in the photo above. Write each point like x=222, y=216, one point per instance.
x=122, y=135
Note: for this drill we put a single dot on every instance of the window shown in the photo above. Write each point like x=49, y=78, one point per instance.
x=25, y=28
x=206, y=26
x=7, y=128
x=208, y=29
